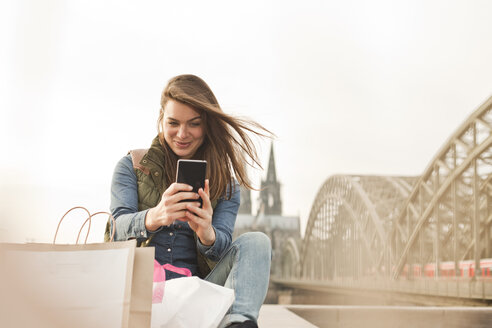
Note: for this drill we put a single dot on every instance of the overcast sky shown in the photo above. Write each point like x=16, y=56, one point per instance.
x=348, y=87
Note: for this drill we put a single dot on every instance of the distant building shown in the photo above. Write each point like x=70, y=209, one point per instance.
x=270, y=200
x=268, y=218
x=245, y=206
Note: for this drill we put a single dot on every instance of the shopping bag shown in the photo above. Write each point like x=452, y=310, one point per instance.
x=45, y=285
x=160, y=279
x=191, y=302
x=89, y=285
x=141, y=292
x=141, y=287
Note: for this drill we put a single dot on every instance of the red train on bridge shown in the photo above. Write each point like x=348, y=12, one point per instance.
x=447, y=269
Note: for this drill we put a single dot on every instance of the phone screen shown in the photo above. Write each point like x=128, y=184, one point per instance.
x=192, y=172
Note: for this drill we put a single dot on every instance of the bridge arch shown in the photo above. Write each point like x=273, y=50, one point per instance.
x=448, y=215
x=291, y=259
x=348, y=225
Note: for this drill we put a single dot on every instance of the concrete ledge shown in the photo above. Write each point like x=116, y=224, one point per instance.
x=394, y=316
x=277, y=316
x=477, y=290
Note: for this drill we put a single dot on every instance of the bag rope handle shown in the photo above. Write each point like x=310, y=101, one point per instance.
x=89, y=227
x=70, y=210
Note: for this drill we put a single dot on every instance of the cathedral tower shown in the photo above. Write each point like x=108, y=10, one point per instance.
x=270, y=201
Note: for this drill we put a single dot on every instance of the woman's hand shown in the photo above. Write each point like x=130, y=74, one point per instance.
x=169, y=209
x=200, y=219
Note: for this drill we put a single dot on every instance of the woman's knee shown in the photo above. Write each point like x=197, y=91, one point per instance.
x=255, y=241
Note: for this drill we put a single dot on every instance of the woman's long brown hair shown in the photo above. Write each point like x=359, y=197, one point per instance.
x=227, y=145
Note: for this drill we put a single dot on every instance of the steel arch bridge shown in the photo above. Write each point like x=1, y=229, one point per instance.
x=347, y=226
x=430, y=234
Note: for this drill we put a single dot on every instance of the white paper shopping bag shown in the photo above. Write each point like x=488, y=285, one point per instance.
x=141, y=284
x=46, y=285
x=191, y=302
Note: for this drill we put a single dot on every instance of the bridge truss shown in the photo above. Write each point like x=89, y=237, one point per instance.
x=448, y=214
x=348, y=224
x=390, y=229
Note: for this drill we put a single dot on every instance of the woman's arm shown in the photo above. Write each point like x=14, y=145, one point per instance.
x=130, y=223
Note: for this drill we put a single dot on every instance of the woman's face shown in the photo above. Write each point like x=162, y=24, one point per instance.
x=182, y=128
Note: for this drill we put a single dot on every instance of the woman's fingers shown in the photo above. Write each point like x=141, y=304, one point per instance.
x=171, y=207
x=177, y=187
x=201, y=225
x=195, y=219
x=178, y=204
x=205, y=196
x=195, y=209
x=190, y=215
x=178, y=215
x=182, y=206
x=174, y=212
x=182, y=196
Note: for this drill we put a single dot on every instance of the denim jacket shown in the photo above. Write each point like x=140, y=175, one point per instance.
x=173, y=244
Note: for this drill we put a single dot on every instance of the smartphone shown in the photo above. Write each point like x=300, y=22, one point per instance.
x=192, y=172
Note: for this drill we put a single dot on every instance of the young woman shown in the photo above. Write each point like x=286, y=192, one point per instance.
x=145, y=200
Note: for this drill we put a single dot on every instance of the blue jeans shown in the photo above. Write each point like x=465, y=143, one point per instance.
x=245, y=267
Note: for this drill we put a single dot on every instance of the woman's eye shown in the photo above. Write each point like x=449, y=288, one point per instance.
x=195, y=124
x=173, y=123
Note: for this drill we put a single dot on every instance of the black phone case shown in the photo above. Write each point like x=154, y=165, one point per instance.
x=192, y=172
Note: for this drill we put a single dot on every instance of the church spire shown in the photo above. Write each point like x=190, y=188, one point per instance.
x=271, y=203
x=271, y=172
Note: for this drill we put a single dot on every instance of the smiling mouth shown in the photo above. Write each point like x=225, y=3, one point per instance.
x=182, y=144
